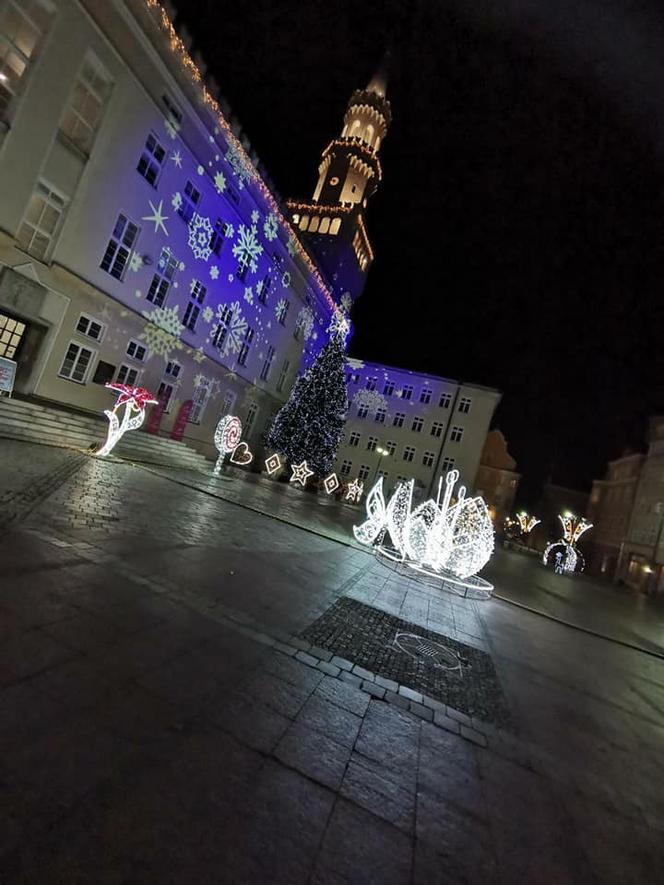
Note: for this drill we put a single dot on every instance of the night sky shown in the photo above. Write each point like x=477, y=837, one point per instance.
x=519, y=228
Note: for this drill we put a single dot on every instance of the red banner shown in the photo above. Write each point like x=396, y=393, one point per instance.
x=181, y=421
x=156, y=414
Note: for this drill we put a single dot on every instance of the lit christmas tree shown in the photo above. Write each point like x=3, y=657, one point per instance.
x=309, y=425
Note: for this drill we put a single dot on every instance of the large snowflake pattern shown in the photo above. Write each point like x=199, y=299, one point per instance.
x=270, y=227
x=370, y=398
x=247, y=249
x=280, y=307
x=208, y=314
x=220, y=182
x=163, y=330
x=176, y=200
x=239, y=167
x=346, y=302
x=236, y=327
x=305, y=322
x=200, y=235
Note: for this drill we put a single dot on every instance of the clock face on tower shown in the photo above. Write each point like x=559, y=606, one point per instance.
x=334, y=180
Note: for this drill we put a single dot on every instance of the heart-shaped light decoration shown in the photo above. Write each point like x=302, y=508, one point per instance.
x=241, y=454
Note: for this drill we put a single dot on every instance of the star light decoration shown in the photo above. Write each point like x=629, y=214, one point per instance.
x=354, y=491
x=134, y=399
x=272, y=464
x=301, y=473
x=564, y=552
x=450, y=541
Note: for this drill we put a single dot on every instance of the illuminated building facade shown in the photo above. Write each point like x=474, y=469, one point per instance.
x=497, y=480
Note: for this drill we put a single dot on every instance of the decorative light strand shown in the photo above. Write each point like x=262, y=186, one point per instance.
x=134, y=399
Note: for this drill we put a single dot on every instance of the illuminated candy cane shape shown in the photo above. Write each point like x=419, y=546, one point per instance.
x=134, y=399
x=226, y=439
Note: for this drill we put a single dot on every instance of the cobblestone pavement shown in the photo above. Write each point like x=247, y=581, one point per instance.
x=162, y=718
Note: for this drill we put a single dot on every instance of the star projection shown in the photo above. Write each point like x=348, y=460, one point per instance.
x=134, y=399
x=564, y=554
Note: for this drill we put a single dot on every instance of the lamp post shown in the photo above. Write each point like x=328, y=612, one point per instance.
x=381, y=452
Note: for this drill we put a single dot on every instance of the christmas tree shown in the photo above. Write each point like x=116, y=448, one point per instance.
x=309, y=425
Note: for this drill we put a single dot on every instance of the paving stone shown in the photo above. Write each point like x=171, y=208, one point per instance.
x=374, y=690
x=250, y=722
x=397, y=699
x=447, y=722
x=330, y=669
x=459, y=716
x=350, y=678
x=283, y=697
x=388, y=684
x=342, y=663
x=363, y=674
x=406, y=692
x=314, y=754
x=340, y=725
x=421, y=711
x=381, y=791
x=320, y=653
x=306, y=659
x=343, y=695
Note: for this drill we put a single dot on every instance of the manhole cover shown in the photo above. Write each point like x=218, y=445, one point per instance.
x=433, y=653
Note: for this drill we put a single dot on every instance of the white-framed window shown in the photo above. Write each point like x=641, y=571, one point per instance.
x=437, y=429
x=346, y=467
x=285, y=366
x=193, y=309
x=122, y=241
x=425, y=395
x=282, y=311
x=23, y=24
x=90, y=327
x=82, y=116
x=445, y=400
x=42, y=220
x=11, y=333
x=371, y=383
x=263, y=288
x=388, y=389
x=163, y=277
x=372, y=442
x=407, y=391
x=362, y=410
x=151, y=160
x=136, y=350
x=354, y=439
x=391, y=447
x=380, y=415
x=252, y=411
x=76, y=363
x=224, y=316
x=408, y=453
x=428, y=459
x=127, y=375
x=191, y=200
x=267, y=365
x=245, y=346
x=363, y=472
x=399, y=418
x=446, y=465
x=228, y=402
x=464, y=404
x=164, y=394
x=417, y=425
x=198, y=402
x=456, y=434
x=173, y=369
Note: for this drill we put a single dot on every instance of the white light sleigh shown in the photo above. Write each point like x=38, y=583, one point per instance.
x=446, y=541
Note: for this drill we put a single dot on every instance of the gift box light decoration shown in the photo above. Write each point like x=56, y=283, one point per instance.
x=443, y=539
x=564, y=553
x=226, y=439
x=134, y=400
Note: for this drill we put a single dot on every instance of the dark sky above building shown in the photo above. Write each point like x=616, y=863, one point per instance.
x=519, y=228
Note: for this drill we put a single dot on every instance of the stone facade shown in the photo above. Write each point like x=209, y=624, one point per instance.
x=497, y=480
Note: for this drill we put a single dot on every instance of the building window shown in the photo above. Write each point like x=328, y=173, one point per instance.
x=407, y=392
x=191, y=199
x=174, y=111
x=23, y=24
x=363, y=472
x=11, y=333
x=380, y=415
x=282, y=311
x=354, y=439
x=408, y=453
x=41, y=221
x=388, y=390
x=218, y=236
x=362, y=410
x=127, y=375
x=199, y=402
x=437, y=429
x=372, y=442
x=173, y=369
x=164, y=395
x=229, y=402
x=263, y=288
x=162, y=279
x=91, y=327
x=425, y=395
x=391, y=447
x=355, y=378
x=193, y=310
x=252, y=411
x=346, y=467
x=225, y=315
x=244, y=347
x=428, y=459
x=456, y=434
x=371, y=383
x=464, y=404
x=447, y=464
x=417, y=425
x=283, y=375
x=382, y=474
x=137, y=351
x=401, y=479
x=445, y=400
x=399, y=418
x=149, y=166
x=123, y=239
x=84, y=110
x=76, y=363
x=267, y=365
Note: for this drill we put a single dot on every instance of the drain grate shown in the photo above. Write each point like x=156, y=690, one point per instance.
x=421, y=648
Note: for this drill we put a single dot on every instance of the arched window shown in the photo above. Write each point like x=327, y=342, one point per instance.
x=369, y=134
x=355, y=128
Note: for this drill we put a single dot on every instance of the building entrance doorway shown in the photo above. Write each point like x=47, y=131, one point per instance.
x=12, y=335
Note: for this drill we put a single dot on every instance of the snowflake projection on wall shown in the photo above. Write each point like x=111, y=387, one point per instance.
x=163, y=330
x=255, y=215
x=135, y=262
x=171, y=126
x=305, y=322
x=270, y=227
x=280, y=307
x=230, y=277
x=199, y=354
x=248, y=295
x=176, y=157
x=230, y=231
x=346, y=301
x=247, y=249
x=157, y=218
x=236, y=327
x=339, y=324
x=355, y=364
x=237, y=164
x=220, y=182
x=200, y=170
x=200, y=234
x=208, y=314
x=371, y=399
x=285, y=279
x=214, y=272
x=176, y=200
x=290, y=245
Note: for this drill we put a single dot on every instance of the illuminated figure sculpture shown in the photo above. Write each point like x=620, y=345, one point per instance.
x=134, y=399
x=446, y=540
x=564, y=553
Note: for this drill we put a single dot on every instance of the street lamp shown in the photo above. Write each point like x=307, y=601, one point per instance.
x=381, y=452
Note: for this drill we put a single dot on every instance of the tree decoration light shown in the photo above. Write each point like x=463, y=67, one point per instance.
x=451, y=541
x=301, y=473
x=226, y=438
x=134, y=399
x=564, y=552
